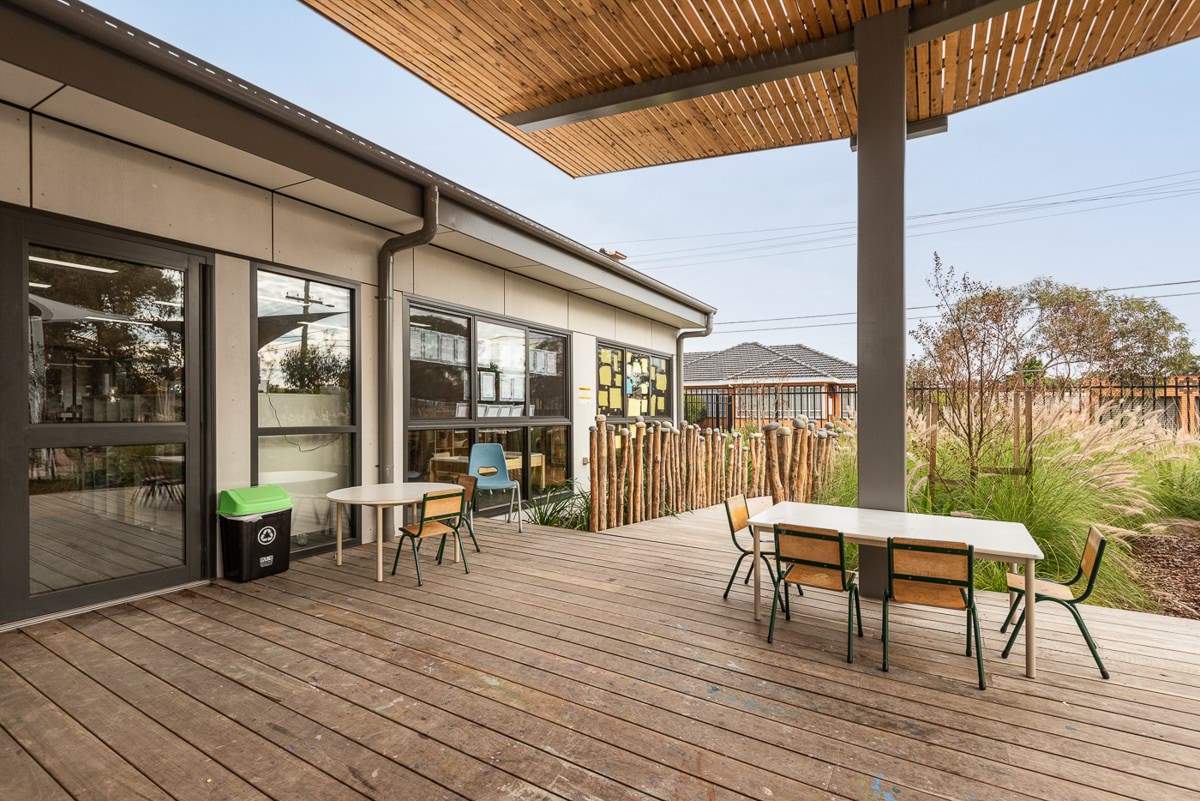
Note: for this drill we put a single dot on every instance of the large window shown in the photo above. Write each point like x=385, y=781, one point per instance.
x=632, y=383
x=306, y=429
x=478, y=379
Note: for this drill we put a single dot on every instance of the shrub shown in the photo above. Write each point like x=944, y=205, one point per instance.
x=1084, y=473
x=566, y=506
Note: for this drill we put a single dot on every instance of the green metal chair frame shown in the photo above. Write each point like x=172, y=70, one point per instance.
x=847, y=580
x=432, y=512
x=966, y=588
x=735, y=526
x=468, y=483
x=1070, y=604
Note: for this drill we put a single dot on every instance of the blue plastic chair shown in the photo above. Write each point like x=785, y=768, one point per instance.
x=490, y=466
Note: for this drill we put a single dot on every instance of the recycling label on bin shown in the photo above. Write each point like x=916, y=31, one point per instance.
x=266, y=535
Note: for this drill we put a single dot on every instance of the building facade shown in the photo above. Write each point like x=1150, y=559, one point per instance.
x=190, y=272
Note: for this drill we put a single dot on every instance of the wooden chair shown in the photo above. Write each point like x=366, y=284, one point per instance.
x=441, y=515
x=814, y=557
x=932, y=573
x=1062, y=593
x=738, y=515
x=468, y=484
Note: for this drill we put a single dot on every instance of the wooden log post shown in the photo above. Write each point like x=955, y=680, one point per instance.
x=786, y=444
x=796, y=469
x=613, y=491
x=822, y=442
x=623, y=480
x=600, y=489
x=774, y=486
x=593, y=459
x=654, y=474
x=639, y=458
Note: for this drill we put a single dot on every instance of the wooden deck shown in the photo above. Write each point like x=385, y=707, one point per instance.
x=593, y=667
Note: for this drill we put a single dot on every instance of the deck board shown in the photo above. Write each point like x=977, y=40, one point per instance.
x=571, y=665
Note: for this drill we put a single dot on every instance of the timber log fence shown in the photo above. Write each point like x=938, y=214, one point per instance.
x=643, y=471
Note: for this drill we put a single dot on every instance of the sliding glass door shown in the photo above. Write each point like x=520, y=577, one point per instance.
x=103, y=467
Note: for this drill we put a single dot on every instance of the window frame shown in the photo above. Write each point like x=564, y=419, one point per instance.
x=350, y=534
x=672, y=389
x=473, y=424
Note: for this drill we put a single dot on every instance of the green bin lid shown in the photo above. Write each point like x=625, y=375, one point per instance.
x=253, y=501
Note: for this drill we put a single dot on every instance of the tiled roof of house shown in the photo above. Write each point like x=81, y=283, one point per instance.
x=752, y=361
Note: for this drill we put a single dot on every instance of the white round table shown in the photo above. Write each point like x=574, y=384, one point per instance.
x=382, y=496
x=294, y=476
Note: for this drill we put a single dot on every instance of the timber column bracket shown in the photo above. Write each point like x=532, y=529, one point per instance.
x=879, y=43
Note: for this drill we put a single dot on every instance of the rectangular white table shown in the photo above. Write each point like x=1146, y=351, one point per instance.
x=992, y=539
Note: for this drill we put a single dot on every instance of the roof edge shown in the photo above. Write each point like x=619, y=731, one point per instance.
x=90, y=23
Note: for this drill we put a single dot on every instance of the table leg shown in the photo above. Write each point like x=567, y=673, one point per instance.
x=337, y=510
x=379, y=543
x=757, y=573
x=1030, y=626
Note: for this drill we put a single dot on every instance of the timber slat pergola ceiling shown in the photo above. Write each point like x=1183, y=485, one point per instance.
x=505, y=57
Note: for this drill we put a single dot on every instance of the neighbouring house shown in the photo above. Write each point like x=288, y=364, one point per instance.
x=751, y=382
x=206, y=286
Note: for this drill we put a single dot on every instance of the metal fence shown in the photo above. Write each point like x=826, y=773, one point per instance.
x=1176, y=398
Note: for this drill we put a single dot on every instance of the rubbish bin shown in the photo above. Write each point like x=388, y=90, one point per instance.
x=256, y=531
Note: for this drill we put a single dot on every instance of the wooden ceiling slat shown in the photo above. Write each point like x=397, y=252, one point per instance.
x=1022, y=47
x=1133, y=11
x=922, y=62
x=1189, y=26
x=498, y=57
x=1165, y=11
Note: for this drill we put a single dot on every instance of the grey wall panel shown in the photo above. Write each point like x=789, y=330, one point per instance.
x=83, y=175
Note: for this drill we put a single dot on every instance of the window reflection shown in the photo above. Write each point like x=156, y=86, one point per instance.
x=105, y=339
x=308, y=466
x=304, y=352
x=99, y=513
x=548, y=458
x=439, y=357
x=440, y=455
x=547, y=375
x=500, y=366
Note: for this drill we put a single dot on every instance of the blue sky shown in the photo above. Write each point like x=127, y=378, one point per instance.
x=1128, y=122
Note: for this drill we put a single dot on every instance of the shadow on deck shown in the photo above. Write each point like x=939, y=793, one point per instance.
x=570, y=665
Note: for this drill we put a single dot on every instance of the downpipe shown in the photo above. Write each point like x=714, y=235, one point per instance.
x=679, y=415
x=386, y=299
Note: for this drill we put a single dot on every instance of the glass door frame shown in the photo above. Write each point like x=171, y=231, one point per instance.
x=19, y=435
x=352, y=530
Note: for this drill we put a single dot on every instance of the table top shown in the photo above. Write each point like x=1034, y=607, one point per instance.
x=388, y=494
x=294, y=476
x=991, y=538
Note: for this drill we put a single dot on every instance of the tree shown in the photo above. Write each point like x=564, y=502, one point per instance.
x=316, y=366
x=989, y=339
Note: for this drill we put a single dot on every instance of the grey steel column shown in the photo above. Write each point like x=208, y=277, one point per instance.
x=880, y=43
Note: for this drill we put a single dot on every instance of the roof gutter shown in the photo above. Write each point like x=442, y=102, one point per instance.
x=386, y=362
x=680, y=411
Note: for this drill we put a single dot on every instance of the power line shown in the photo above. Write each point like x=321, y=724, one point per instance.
x=851, y=222
x=924, y=317
x=1180, y=188
x=1159, y=285
x=911, y=236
